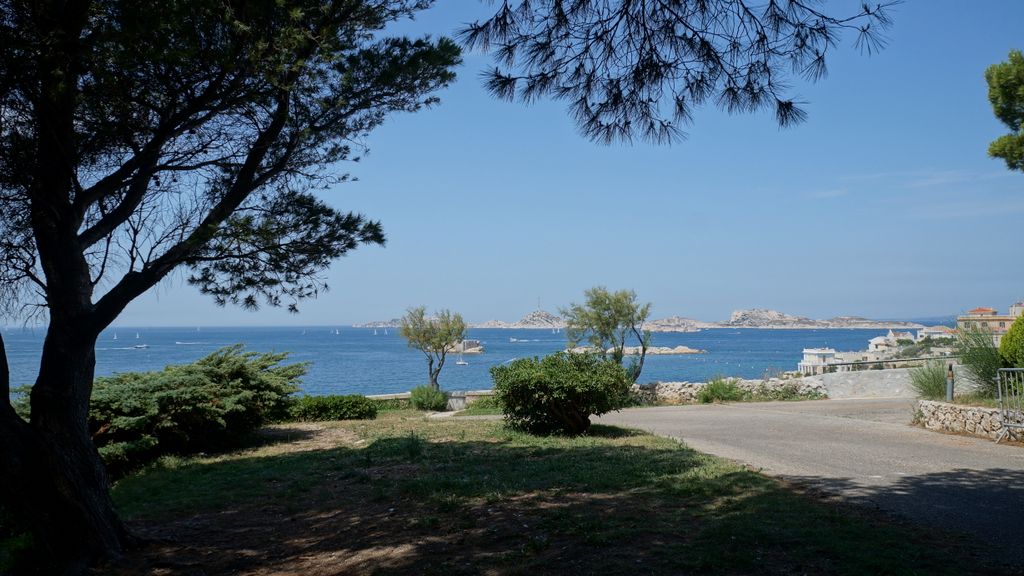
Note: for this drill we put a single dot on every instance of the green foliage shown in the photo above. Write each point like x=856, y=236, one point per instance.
x=135, y=417
x=720, y=390
x=559, y=393
x=929, y=380
x=333, y=407
x=786, y=392
x=605, y=321
x=483, y=406
x=427, y=397
x=1006, y=93
x=980, y=357
x=433, y=336
x=1012, y=345
x=391, y=404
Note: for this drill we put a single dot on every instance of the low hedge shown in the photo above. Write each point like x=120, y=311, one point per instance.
x=334, y=407
x=208, y=405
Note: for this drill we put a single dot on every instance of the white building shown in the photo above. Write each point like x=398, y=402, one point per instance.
x=880, y=343
x=936, y=333
x=815, y=360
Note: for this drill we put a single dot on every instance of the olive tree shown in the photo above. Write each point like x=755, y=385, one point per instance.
x=143, y=139
x=606, y=320
x=434, y=336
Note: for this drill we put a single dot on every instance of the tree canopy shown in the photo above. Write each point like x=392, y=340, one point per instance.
x=638, y=69
x=1006, y=93
x=606, y=320
x=142, y=138
x=434, y=336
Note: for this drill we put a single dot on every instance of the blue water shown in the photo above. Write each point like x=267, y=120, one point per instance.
x=357, y=361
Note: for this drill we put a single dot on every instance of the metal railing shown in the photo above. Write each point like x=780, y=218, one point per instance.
x=886, y=363
x=1010, y=392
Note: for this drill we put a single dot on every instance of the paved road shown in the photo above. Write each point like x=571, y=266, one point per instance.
x=865, y=451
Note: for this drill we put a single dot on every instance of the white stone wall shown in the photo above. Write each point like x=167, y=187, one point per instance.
x=960, y=419
x=686, y=392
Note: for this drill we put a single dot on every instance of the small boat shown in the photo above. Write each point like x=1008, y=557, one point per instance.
x=385, y=331
x=461, y=362
x=115, y=335
x=136, y=335
x=140, y=346
x=374, y=332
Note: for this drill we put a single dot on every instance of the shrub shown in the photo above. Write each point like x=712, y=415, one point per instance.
x=334, y=407
x=136, y=417
x=427, y=397
x=1012, y=345
x=389, y=404
x=786, y=392
x=720, y=390
x=980, y=357
x=560, y=392
x=929, y=380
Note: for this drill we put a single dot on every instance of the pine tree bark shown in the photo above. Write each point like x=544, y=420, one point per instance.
x=54, y=480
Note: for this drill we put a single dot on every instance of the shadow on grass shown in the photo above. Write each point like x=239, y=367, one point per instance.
x=405, y=505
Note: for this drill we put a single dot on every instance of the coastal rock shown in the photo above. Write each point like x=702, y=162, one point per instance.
x=662, y=350
x=393, y=323
x=533, y=320
x=677, y=324
x=635, y=350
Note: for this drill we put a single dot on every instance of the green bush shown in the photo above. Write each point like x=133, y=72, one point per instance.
x=980, y=357
x=136, y=417
x=334, y=407
x=390, y=404
x=720, y=390
x=427, y=397
x=1012, y=345
x=559, y=393
x=929, y=380
x=786, y=392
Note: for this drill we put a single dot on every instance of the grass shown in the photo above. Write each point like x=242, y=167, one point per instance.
x=929, y=380
x=403, y=493
x=720, y=390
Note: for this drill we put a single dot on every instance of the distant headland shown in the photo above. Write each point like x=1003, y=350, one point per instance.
x=752, y=318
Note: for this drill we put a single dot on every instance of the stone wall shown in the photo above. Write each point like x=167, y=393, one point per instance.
x=973, y=420
x=686, y=392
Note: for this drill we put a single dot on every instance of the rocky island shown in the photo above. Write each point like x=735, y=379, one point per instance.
x=750, y=318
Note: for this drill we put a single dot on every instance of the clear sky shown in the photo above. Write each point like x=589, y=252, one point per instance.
x=883, y=204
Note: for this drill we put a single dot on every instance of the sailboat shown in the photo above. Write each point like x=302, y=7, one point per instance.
x=115, y=335
x=374, y=331
x=461, y=362
x=385, y=331
x=136, y=335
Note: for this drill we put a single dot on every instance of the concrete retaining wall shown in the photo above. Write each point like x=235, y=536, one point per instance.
x=973, y=420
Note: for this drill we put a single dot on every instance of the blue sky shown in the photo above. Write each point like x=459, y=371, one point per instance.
x=882, y=204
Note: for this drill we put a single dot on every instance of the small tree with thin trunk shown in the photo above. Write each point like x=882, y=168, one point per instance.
x=435, y=336
x=606, y=320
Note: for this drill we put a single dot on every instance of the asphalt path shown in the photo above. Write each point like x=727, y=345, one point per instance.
x=866, y=452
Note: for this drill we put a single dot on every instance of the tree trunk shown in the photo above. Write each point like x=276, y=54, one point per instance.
x=54, y=480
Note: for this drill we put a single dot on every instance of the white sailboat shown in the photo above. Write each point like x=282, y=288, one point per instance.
x=461, y=362
x=385, y=331
x=374, y=331
x=115, y=335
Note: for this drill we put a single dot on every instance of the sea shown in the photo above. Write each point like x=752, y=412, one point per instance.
x=347, y=360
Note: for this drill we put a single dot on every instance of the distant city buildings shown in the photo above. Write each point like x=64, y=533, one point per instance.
x=990, y=320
